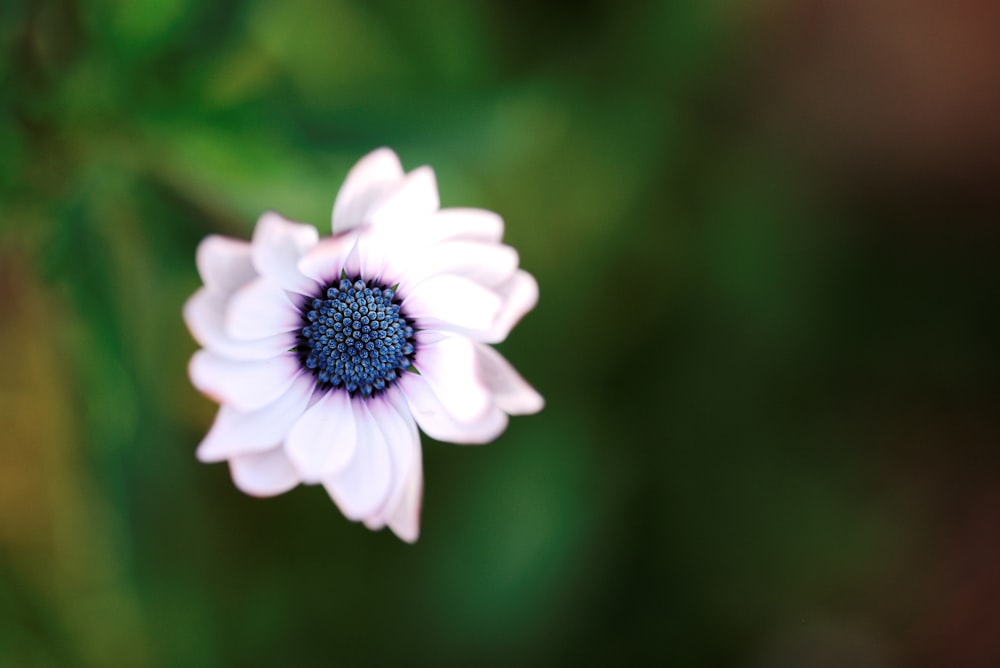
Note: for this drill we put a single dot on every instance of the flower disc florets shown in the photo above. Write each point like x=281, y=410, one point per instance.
x=355, y=337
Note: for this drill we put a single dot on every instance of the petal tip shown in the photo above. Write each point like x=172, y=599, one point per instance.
x=406, y=535
x=533, y=404
x=367, y=182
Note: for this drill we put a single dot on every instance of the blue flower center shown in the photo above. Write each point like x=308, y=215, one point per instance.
x=354, y=336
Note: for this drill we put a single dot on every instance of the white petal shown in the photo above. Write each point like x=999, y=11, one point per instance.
x=368, y=257
x=322, y=442
x=352, y=264
x=259, y=310
x=413, y=198
x=363, y=487
x=463, y=224
x=374, y=176
x=223, y=263
x=408, y=243
x=203, y=313
x=437, y=423
x=266, y=473
x=389, y=258
x=487, y=264
x=519, y=296
x=236, y=432
x=405, y=250
x=403, y=440
x=451, y=368
x=405, y=519
x=511, y=392
x=246, y=385
x=372, y=256
x=324, y=262
x=452, y=300
x=404, y=508
x=277, y=246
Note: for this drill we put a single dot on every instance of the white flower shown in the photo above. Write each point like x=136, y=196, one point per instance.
x=326, y=354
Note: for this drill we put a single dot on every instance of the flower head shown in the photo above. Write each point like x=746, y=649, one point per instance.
x=327, y=354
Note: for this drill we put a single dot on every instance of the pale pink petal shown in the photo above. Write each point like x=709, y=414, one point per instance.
x=404, y=508
x=452, y=300
x=368, y=256
x=224, y=264
x=451, y=368
x=363, y=487
x=415, y=197
x=259, y=310
x=511, y=392
x=237, y=432
x=486, y=264
x=463, y=224
x=405, y=518
x=277, y=246
x=352, y=264
x=438, y=423
x=519, y=296
x=324, y=262
x=370, y=180
x=373, y=256
x=266, y=473
x=246, y=385
x=203, y=313
x=406, y=242
x=323, y=441
x=388, y=258
x=400, y=433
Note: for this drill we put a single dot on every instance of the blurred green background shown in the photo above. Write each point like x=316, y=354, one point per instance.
x=767, y=241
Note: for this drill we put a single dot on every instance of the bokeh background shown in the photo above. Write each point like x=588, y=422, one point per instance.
x=768, y=244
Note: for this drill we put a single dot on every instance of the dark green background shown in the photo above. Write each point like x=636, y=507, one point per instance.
x=766, y=239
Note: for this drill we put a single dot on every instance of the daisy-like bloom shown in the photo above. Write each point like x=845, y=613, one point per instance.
x=327, y=354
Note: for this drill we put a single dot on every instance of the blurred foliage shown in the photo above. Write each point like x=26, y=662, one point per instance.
x=770, y=359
